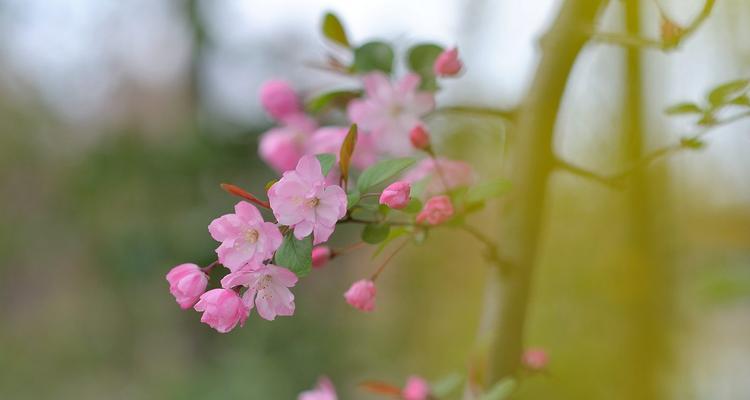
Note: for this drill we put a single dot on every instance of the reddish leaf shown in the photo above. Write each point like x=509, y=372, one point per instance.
x=345, y=154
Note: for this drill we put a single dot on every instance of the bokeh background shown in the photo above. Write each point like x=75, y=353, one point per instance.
x=118, y=119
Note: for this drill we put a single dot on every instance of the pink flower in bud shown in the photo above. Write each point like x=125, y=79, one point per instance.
x=320, y=256
x=244, y=236
x=283, y=146
x=416, y=388
x=361, y=295
x=447, y=63
x=436, y=211
x=187, y=283
x=267, y=289
x=302, y=200
x=535, y=359
x=222, y=309
x=279, y=99
x=419, y=137
x=396, y=195
x=323, y=391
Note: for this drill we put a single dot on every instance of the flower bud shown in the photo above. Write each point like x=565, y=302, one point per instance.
x=447, y=63
x=361, y=295
x=320, y=256
x=436, y=211
x=535, y=359
x=187, y=283
x=419, y=137
x=416, y=388
x=279, y=99
x=222, y=309
x=396, y=195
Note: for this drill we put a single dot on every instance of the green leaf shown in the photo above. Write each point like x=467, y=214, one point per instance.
x=352, y=198
x=373, y=56
x=487, y=190
x=743, y=100
x=334, y=30
x=446, y=385
x=346, y=151
x=326, y=162
x=392, y=235
x=683, y=108
x=381, y=171
x=722, y=93
x=296, y=255
x=500, y=390
x=414, y=206
x=692, y=143
x=375, y=233
x=337, y=98
x=421, y=59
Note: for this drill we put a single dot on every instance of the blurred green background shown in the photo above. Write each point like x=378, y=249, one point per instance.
x=118, y=120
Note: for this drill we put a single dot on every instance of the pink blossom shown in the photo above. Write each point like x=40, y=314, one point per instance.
x=323, y=391
x=267, y=289
x=416, y=388
x=244, y=236
x=328, y=139
x=187, y=283
x=535, y=359
x=396, y=195
x=302, y=200
x=361, y=295
x=419, y=137
x=448, y=63
x=279, y=99
x=320, y=256
x=388, y=111
x=222, y=309
x=283, y=146
x=436, y=211
x=454, y=173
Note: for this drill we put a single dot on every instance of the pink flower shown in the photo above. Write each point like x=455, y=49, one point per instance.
x=328, y=139
x=222, y=309
x=244, y=236
x=396, y=195
x=436, y=211
x=302, y=200
x=456, y=174
x=535, y=359
x=320, y=256
x=416, y=388
x=279, y=99
x=361, y=295
x=267, y=289
x=187, y=283
x=389, y=111
x=283, y=146
x=447, y=63
x=419, y=137
x=323, y=391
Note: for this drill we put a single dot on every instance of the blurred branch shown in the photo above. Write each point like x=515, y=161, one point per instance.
x=477, y=111
x=671, y=33
x=492, y=250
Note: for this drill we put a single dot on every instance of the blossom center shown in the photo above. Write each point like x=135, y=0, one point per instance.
x=251, y=236
x=312, y=202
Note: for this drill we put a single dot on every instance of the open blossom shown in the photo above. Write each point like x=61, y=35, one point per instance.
x=436, y=211
x=454, y=174
x=267, y=289
x=320, y=256
x=534, y=359
x=361, y=295
x=279, y=99
x=244, y=236
x=416, y=388
x=323, y=391
x=187, y=283
x=448, y=63
x=283, y=146
x=396, y=195
x=302, y=200
x=222, y=309
x=328, y=139
x=389, y=111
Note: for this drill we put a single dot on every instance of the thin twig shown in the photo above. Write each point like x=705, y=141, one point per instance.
x=492, y=249
x=390, y=257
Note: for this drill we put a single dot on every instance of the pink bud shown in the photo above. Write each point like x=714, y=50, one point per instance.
x=416, y=388
x=447, y=63
x=436, y=211
x=279, y=99
x=419, y=137
x=222, y=309
x=320, y=256
x=535, y=359
x=396, y=195
x=361, y=295
x=187, y=283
